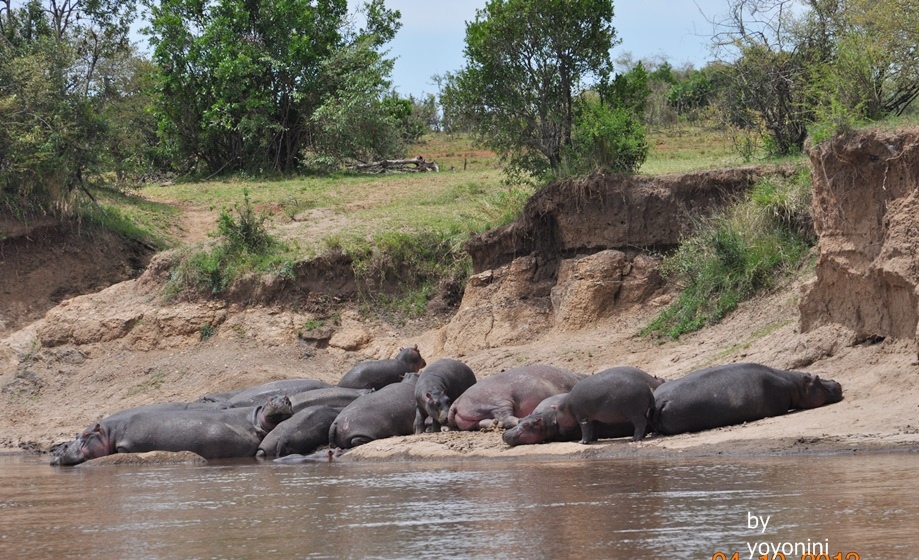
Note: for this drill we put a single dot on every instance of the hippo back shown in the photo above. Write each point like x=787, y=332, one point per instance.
x=387, y=412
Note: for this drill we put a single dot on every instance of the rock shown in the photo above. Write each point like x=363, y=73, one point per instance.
x=865, y=203
x=148, y=458
x=587, y=288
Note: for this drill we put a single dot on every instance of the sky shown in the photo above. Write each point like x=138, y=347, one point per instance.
x=433, y=35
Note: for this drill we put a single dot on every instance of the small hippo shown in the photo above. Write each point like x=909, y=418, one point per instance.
x=376, y=374
x=503, y=398
x=384, y=413
x=302, y=433
x=736, y=393
x=213, y=434
x=439, y=385
x=260, y=393
x=333, y=397
x=614, y=397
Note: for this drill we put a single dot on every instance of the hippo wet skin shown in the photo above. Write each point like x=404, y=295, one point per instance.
x=387, y=412
x=376, y=374
x=505, y=397
x=438, y=386
x=213, y=434
x=736, y=393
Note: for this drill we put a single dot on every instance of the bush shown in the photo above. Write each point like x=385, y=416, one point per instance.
x=244, y=245
x=737, y=254
x=606, y=140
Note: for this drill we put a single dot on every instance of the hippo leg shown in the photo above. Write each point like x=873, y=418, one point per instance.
x=419, y=422
x=435, y=426
x=641, y=428
x=588, y=431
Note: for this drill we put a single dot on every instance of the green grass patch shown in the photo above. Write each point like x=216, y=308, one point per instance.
x=399, y=272
x=130, y=216
x=737, y=254
x=244, y=246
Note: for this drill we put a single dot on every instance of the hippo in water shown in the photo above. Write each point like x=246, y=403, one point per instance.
x=387, y=412
x=736, y=393
x=438, y=386
x=213, y=434
x=302, y=433
x=616, y=396
x=553, y=421
x=503, y=398
x=376, y=374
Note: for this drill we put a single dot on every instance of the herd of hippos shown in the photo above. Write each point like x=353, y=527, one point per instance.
x=291, y=419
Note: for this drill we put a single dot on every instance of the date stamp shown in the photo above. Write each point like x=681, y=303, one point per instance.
x=783, y=556
x=787, y=550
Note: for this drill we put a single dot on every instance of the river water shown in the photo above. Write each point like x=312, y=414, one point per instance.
x=617, y=508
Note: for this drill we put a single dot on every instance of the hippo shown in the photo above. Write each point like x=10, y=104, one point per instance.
x=213, y=434
x=376, y=374
x=324, y=456
x=549, y=421
x=613, y=397
x=333, y=397
x=387, y=412
x=260, y=393
x=438, y=386
x=503, y=398
x=302, y=433
x=736, y=393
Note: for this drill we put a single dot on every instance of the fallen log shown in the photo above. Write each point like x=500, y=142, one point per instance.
x=414, y=165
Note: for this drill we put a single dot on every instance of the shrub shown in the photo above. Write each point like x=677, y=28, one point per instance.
x=737, y=254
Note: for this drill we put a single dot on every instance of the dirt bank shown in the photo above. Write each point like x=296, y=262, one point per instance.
x=123, y=346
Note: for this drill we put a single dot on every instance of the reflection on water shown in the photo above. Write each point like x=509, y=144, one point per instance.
x=622, y=508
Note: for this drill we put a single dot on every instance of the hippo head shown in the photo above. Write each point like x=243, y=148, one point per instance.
x=532, y=429
x=90, y=444
x=437, y=405
x=411, y=357
x=818, y=392
x=275, y=411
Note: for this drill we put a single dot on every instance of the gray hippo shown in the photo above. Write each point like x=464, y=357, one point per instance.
x=736, y=393
x=213, y=434
x=387, y=412
x=439, y=385
x=332, y=397
x=324, y=456
x=509, y=395
x=376, y=374
x=302, y=433
x=260, y=393
x=614, y=397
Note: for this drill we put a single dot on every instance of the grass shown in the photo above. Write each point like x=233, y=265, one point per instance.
x=402, y=230
x=738, y=253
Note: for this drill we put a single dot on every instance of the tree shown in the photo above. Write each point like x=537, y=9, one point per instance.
x=242, y=81
x=801, y=61
x=53, y=128
x=527, y=61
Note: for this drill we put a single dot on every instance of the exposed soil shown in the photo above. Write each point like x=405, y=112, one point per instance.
x=123, y=346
